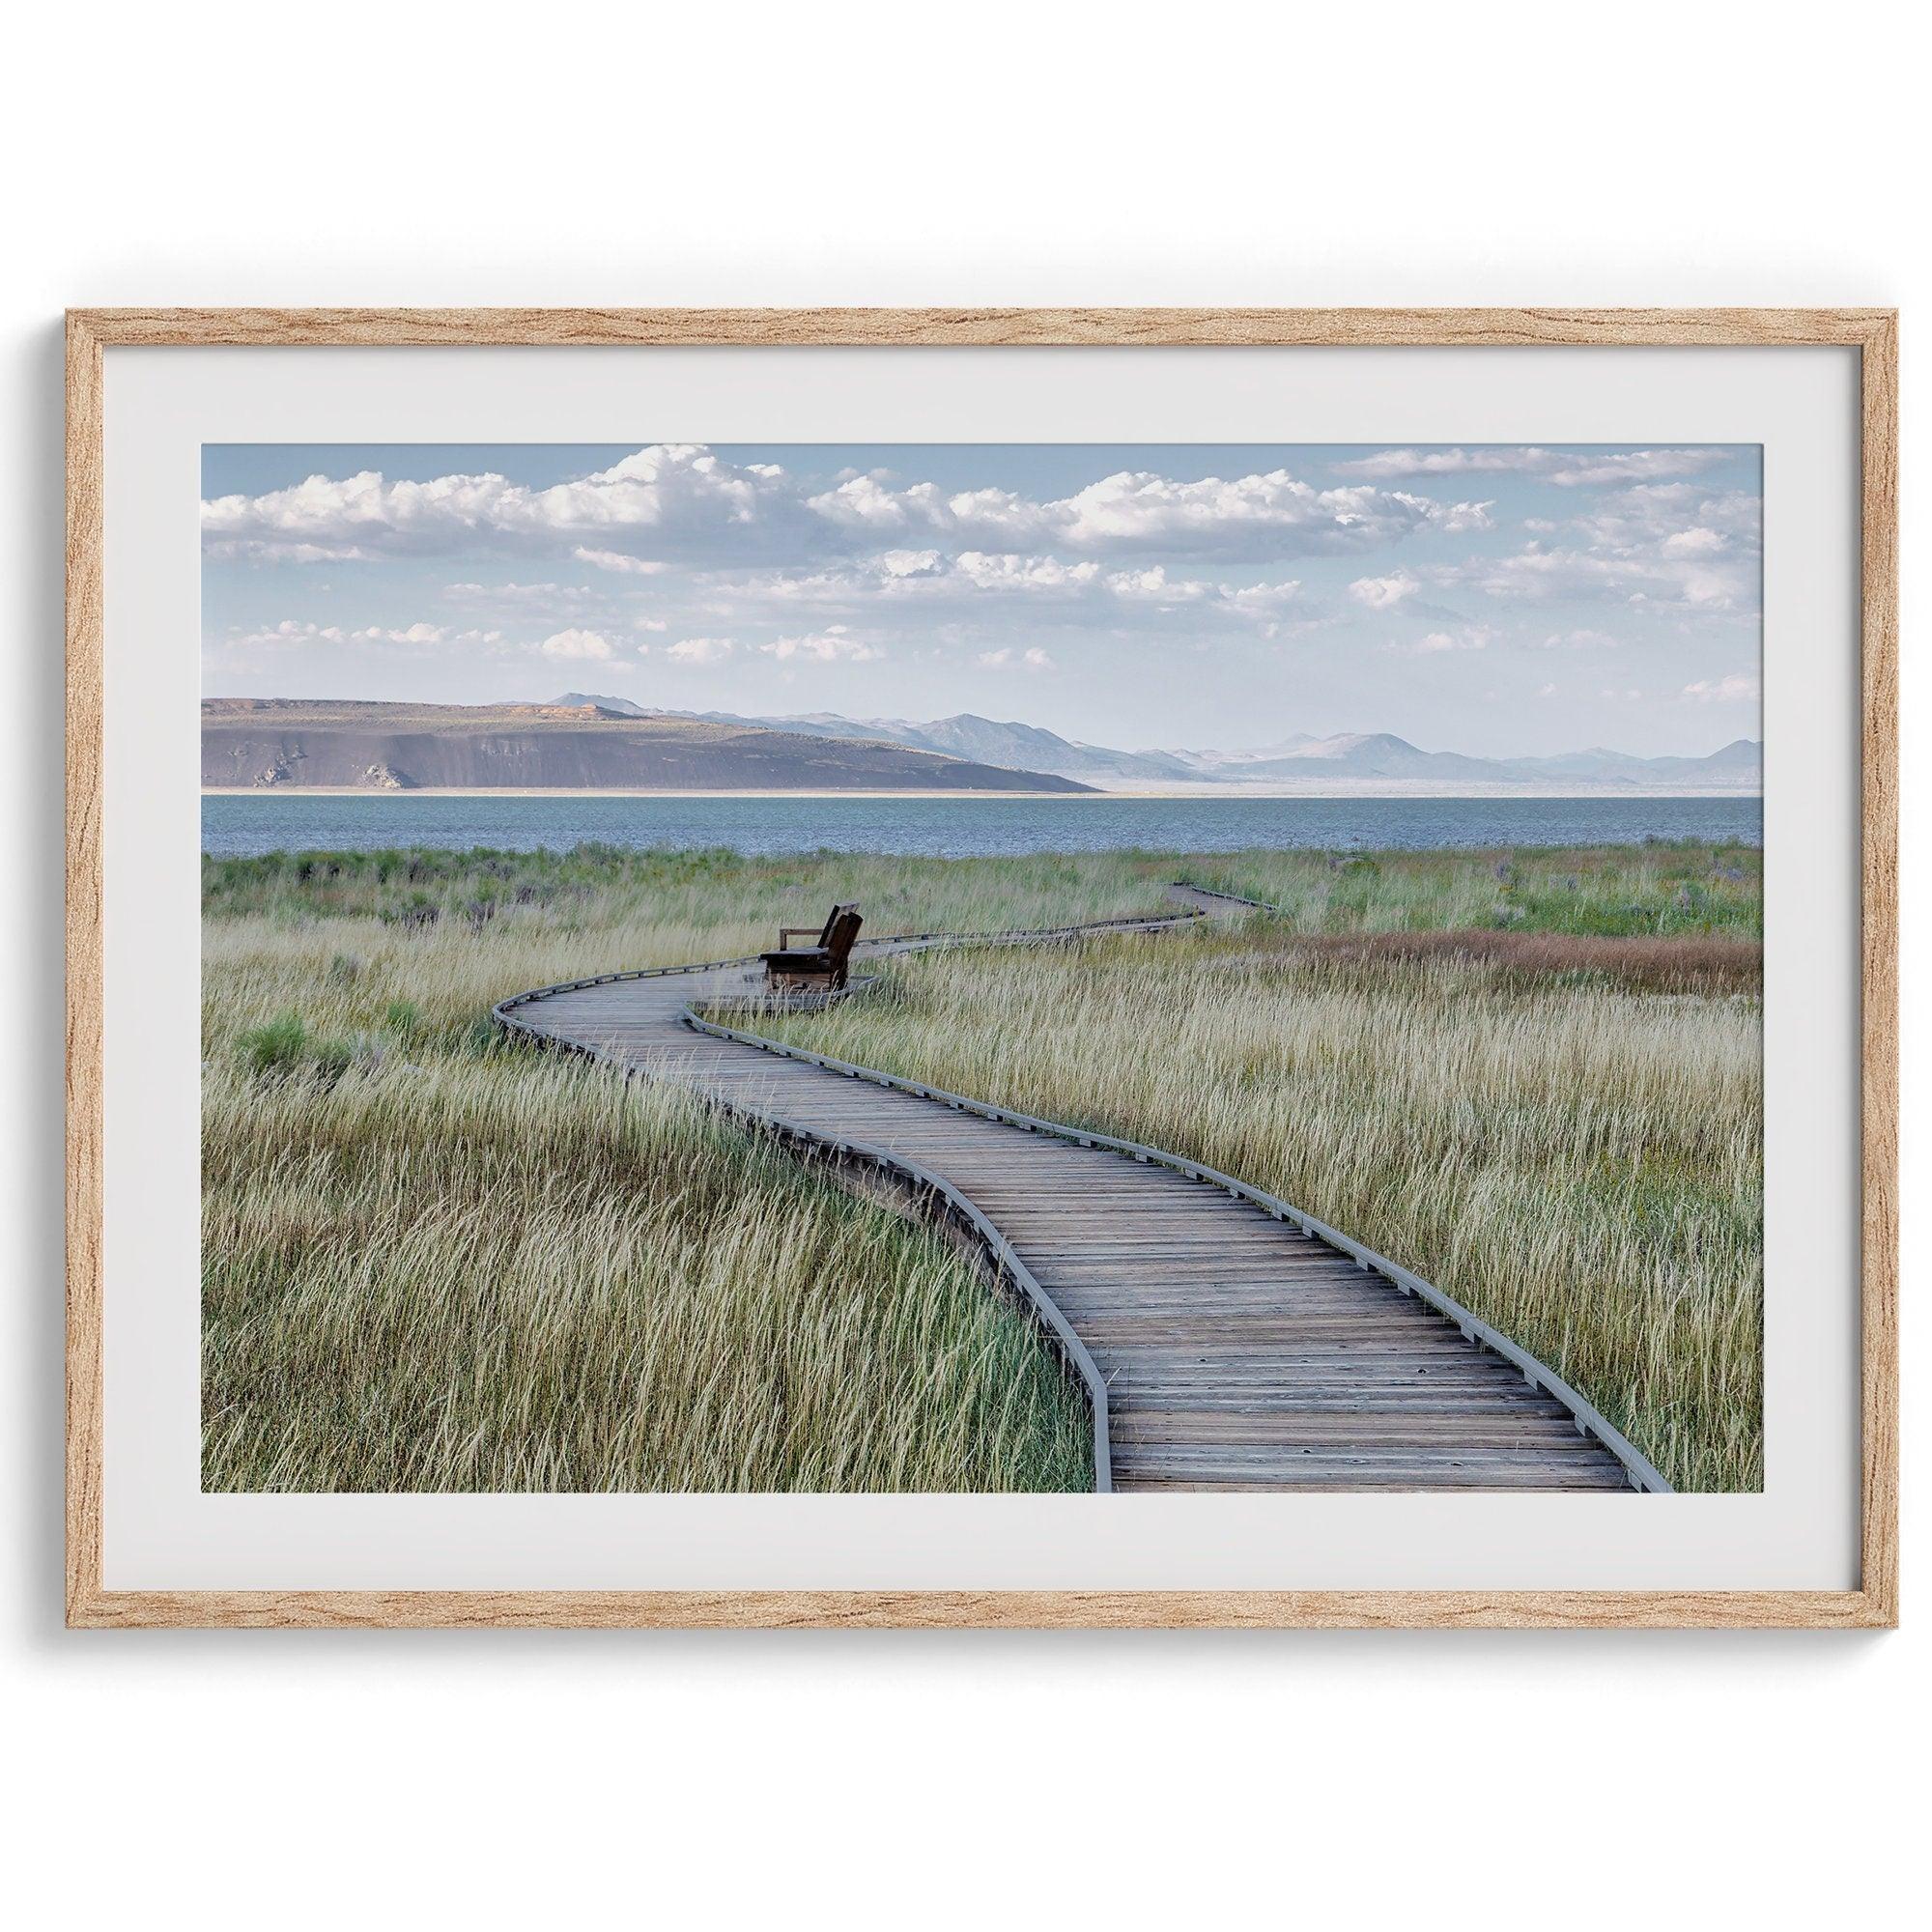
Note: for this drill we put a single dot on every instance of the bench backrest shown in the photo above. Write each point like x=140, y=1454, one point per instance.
x=841, y=930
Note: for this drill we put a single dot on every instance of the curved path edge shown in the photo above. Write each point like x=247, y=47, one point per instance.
x=1642, y=1473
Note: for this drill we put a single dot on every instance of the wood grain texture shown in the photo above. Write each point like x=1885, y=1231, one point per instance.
x=85, y=1010
x=933, y=327
x=1872, y=332
x=1879, y=948
x=999, y=1610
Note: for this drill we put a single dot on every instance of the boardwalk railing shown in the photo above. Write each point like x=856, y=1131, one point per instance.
x=1232, y=898
x=1643, y=1475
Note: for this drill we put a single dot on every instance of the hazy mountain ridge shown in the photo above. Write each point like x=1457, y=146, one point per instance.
x=1348, y=756
x=966, y=736
x=624, y=707
x=1738, y=765
x=264, y=743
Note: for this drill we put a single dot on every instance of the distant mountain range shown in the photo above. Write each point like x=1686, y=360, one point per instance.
x=1299, y=760
x=1379, y=754
x=574, y=744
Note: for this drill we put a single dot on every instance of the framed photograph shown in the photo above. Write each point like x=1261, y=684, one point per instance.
x=982, y=968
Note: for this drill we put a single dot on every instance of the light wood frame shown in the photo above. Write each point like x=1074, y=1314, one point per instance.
x=1873, y=332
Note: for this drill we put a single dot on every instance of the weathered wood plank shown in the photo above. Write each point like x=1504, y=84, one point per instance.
x=1385, y=1429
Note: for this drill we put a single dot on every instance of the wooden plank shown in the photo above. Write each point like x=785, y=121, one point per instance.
x=1486, y=1469
x=1297, y=1429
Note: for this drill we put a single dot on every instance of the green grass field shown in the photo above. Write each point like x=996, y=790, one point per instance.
x=435, y=1261
x=1655, y=891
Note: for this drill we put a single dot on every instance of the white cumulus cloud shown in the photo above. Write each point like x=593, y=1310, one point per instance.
x=823, y=646
x=975, y=584
x=1007, y=572
x=1383, y=593
x=1733, y=689
x=1637, y=574
x=573, y=643
x=1578, y=640
x=1263, y=514
x=615, y=559
x=298, y=631
x=675, y=500
x=682, y=502
x=1568, y=468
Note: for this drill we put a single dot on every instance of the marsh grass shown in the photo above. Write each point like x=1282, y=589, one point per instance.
x=433, y=1260
x=340, y=938
x=1661, y=889
x=520, y=1273
x=1713, y=965
x=1575, y=1158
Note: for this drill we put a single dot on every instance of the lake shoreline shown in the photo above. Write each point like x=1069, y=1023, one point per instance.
x=1206, y=794
x=947, y=825
x=640, y=791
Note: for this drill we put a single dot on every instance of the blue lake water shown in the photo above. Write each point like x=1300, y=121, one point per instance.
x=957, y=828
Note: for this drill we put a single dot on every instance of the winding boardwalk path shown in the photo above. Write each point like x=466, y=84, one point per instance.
x=1226, y=1340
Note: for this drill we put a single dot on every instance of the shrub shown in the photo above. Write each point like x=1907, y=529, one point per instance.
x=285, y=1046
x=415, y=913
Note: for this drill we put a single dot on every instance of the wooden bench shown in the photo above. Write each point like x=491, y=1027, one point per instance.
x=821, y=965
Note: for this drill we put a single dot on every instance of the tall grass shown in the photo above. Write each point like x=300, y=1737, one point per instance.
x=1718, y=965
x=1661, y=889
x=336, y=937
x=432, y=1261
x=519, y=1273
x=1577, y=1160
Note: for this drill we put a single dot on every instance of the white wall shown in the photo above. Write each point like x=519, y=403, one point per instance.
x=986, y=153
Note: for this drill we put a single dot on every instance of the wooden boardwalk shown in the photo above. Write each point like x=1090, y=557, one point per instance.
x=1224, y=1347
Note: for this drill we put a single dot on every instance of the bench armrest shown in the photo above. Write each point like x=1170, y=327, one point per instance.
x=785, y=932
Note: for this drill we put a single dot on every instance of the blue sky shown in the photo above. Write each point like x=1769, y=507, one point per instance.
x=1492, y=599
